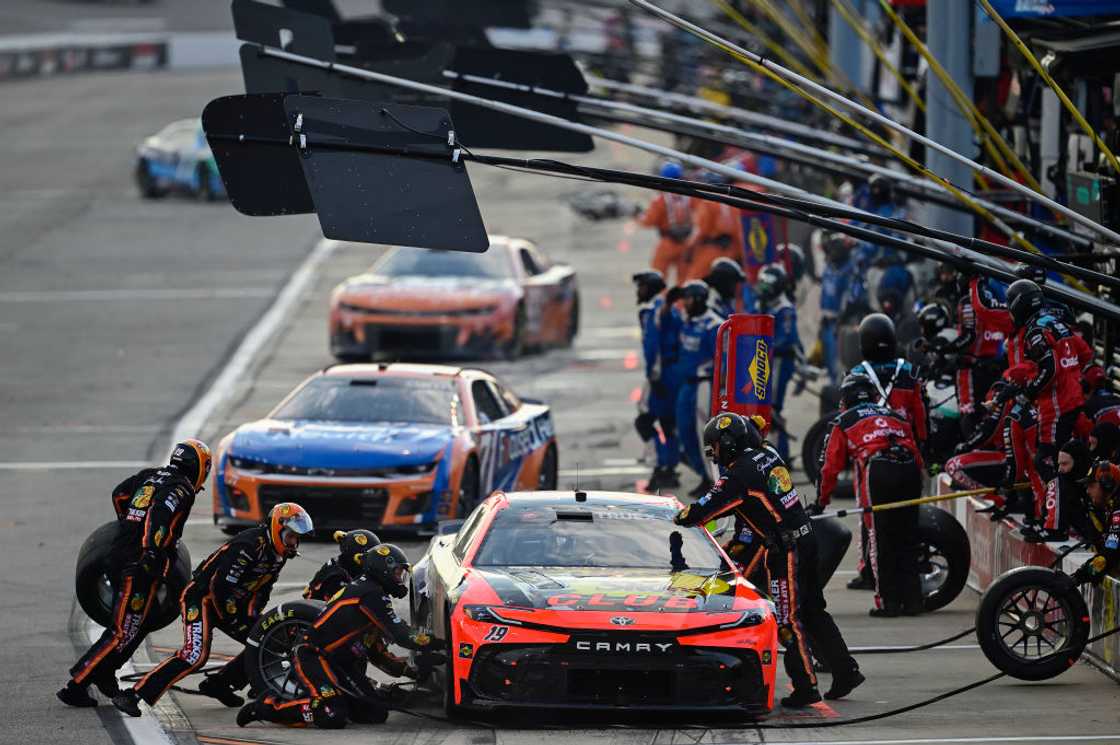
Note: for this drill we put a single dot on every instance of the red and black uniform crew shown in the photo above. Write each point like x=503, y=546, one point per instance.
x=1066, y=504
x=1102, y=404
x=358, y=620
x=153, y=506
x=1103, y=489
x=757, y=488
x=229, y=590
x=894, y=380
x=888, y=468
x=983, y=324
x=340, y=571
x=1061, y=355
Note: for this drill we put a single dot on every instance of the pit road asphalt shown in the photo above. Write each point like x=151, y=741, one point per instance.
x=95, y=375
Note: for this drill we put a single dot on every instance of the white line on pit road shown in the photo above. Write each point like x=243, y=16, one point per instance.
x=136, y=293
x=70, y=465
x=192, y=422
x=144, y=730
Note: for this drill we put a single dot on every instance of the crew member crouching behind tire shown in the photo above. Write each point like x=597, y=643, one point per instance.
x=757, y=487
x=888, y=469
x=229, y=590
x=355, y=622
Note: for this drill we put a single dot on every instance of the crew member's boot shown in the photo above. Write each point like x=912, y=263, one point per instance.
x=76, y=695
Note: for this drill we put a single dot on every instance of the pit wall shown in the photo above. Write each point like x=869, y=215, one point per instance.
x=998, y=547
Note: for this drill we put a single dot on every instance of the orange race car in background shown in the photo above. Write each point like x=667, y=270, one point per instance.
x=417, y=302
x=385, y=446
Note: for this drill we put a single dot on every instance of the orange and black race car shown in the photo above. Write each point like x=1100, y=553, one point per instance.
x=385, y=446
x=593, y=600
x=420, y=302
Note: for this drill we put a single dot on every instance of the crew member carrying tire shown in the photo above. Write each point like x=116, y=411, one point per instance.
x=152, y=507
x=657, y=404
x=888, y=465
x=229, y=590
x=356, y=620
x=757, y=487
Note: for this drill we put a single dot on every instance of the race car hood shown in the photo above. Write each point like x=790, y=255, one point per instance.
x=304, y=444
x=427, y=293
x=670, y=599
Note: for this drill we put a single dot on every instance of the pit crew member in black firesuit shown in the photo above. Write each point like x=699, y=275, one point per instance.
x=888, y=469
x=340, y=571
x=152, y=507
x=757, y=487
x=356, y=620
x=1104, y=490
x=229, y=590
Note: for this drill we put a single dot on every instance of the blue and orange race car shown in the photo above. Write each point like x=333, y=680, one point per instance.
x=593, y=600
x=385, y=446
x=178, y=159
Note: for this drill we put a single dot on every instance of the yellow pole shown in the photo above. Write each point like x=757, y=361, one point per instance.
x=1077, y=117
x=849, y=15
x=948, y=496
x=767, y=41
x=808, y=24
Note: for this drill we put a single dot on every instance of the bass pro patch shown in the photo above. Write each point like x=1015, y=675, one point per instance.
x=143, y=497
x=466, y=651
x=780, y=481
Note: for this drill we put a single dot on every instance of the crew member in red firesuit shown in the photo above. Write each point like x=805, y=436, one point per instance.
x=1065, y=504
x=982, y=460
x=357, y=620
x=880, y=443
x=1061, y=355
x=979, y=341
x=894, y=380
x=343, y=569
x=152, y=507
x=1104, y=491
x=758, y=488
x=230, y=590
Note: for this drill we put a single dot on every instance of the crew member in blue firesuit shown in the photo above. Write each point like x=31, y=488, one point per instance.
x=733, y=293
x=877, y=196
x=838, y=290
x=695, y=336
x=772, y=289
x=657, y=405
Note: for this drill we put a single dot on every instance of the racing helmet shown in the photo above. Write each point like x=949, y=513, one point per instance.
x=857, y=389
x=695, y=295
x=725, y=275
x=772, y=281
x=947, y=274
x=191, y=458
x=649, y=282
x=671, y=169
x=387, y=565
x=288, y=518
x=733, y=435
x=1024, y=299
x=877, y=341
x=1035, y=274
x=837, y=248
x=352, y=546
x=794, y=257
x=1107, y=475
x=933, y=319
x=880, y=189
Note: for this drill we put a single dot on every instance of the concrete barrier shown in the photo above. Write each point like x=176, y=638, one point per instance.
x=998, y=546
x=38, y=55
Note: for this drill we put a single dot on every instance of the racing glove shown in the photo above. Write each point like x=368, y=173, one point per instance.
x=816, y=508
x=151, y=562
x=681, y=517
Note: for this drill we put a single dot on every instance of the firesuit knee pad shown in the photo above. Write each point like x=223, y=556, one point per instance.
x=329, y=712
x=643, y=423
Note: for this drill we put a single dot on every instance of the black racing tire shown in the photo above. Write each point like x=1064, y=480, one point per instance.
x=945, y=556
x=549, y=475
x=268, y=648
x=830, y=399
x=146, y=183
x=833, y=540
x=812, y=445
x=1032, y=623
x=95, y=588
x=469, y=489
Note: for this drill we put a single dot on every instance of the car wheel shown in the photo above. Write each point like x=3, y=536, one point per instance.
x=945, y=556
x=515, y=347
x=1032, y=623
x=95, y=589
x=469, y=489
x=573, y=322
x=548, y=477
x=205, y=188
x=268, y=648
x=812, y=446
x=146, y=183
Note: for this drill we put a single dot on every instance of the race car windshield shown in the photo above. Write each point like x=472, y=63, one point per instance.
x=599, y=536
x=383, y=399
x=417, y=262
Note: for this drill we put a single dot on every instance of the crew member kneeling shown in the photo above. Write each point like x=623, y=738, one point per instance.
x=888, y=469
x=353, y=623
x=757, y=487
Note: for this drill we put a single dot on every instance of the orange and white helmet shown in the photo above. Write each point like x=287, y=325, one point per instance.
x=191, y=458
x=288, y=516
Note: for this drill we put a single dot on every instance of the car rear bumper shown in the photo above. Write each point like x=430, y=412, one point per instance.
x=418, y=336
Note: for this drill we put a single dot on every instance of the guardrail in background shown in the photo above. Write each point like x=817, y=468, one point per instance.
x=998, y=547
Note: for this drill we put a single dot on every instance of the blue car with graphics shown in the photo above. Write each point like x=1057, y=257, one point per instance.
x=178, y=159
x=387, y=446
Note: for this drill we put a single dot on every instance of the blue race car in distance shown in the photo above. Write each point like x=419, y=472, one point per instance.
x=178, y=158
